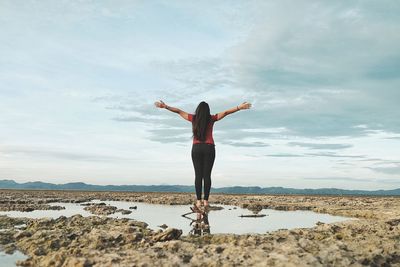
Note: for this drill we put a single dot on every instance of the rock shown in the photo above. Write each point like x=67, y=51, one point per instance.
x=339, y=236
x=80, y=200
x=335, y=228
x=124, y=211
x=7, y=237
x=137, y=223
x=77, y=262
x=39, y=251
x=163, y=226
x=306, y=244
x=9, y=248
x=101, y=209
x=72, y=236
x=133, y=208
x=393, y=222
x=255, y=208
x=168, y=234
x=55, y=207
x=215, y=208
x=27, y=209
x=22, y=234
x=136, y=237
x=252, y=215
x=9, y=222
x=219, y=249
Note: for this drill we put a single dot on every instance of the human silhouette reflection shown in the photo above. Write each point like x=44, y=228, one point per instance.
x=200, y=225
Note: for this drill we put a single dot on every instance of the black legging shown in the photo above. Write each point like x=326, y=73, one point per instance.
x=203, y=156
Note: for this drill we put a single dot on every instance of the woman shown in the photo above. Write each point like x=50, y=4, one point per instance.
x=203, y=149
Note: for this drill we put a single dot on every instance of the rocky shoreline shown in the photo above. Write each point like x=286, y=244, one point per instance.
x=372, y=240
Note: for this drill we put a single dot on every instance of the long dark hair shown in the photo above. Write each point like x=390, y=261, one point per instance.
x=201, y=120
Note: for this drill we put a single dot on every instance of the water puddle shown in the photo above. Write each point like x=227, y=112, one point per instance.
x=8, y=260
x=226, y=220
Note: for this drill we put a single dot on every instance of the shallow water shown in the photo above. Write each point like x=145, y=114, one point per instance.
x=7, y=260
x=226, y=220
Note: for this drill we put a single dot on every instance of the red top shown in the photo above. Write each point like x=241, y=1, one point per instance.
x=209, y=136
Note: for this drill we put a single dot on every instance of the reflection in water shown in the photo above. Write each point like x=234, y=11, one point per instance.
x=200, y=225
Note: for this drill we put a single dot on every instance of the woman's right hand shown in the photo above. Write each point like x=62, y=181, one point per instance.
x=244, y=105
x=160, y=104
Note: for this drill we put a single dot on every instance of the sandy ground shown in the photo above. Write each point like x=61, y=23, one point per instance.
x=372, y=240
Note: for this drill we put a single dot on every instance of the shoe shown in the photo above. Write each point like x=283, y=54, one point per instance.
x=207, y=208
x=196, y=209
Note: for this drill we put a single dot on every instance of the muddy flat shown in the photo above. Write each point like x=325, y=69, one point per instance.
x=372, y=239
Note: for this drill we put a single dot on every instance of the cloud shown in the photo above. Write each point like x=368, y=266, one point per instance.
x=296, y=72
x=352, y=179
x=244, y=144
x=379, y=161
x=334, y=155
x=320, y=146
x=169, y=139
x=311, y=75
x=339, y=179
x=320, y=154
x=180, y=135
x=144, y=119
x=284, y=155
x=393, y=169
x=394, y=137
x=196, y=76
x=36, y=153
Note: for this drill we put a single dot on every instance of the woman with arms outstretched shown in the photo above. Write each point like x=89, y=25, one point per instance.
x=203, y=149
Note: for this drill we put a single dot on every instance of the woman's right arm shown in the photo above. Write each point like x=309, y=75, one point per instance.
x=244, y=105
x=182, y=113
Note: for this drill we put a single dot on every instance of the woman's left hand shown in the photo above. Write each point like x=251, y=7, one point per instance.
x=160, y=104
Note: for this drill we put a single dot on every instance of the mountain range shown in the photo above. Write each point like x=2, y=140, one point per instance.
x=11, y=184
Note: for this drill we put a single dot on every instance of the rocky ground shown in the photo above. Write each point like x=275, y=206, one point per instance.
x=103, y=209
x=372, y=240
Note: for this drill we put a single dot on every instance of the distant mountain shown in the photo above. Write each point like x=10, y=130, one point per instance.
x=11, y=184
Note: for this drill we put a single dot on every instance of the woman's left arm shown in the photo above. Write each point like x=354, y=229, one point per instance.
x=182, y=113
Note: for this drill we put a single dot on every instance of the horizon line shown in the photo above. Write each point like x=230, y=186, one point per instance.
x=233, y=186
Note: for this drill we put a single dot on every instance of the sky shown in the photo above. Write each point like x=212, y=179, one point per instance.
x=78, y=82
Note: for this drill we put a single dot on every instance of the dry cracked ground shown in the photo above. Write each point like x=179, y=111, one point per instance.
x=371, y=240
